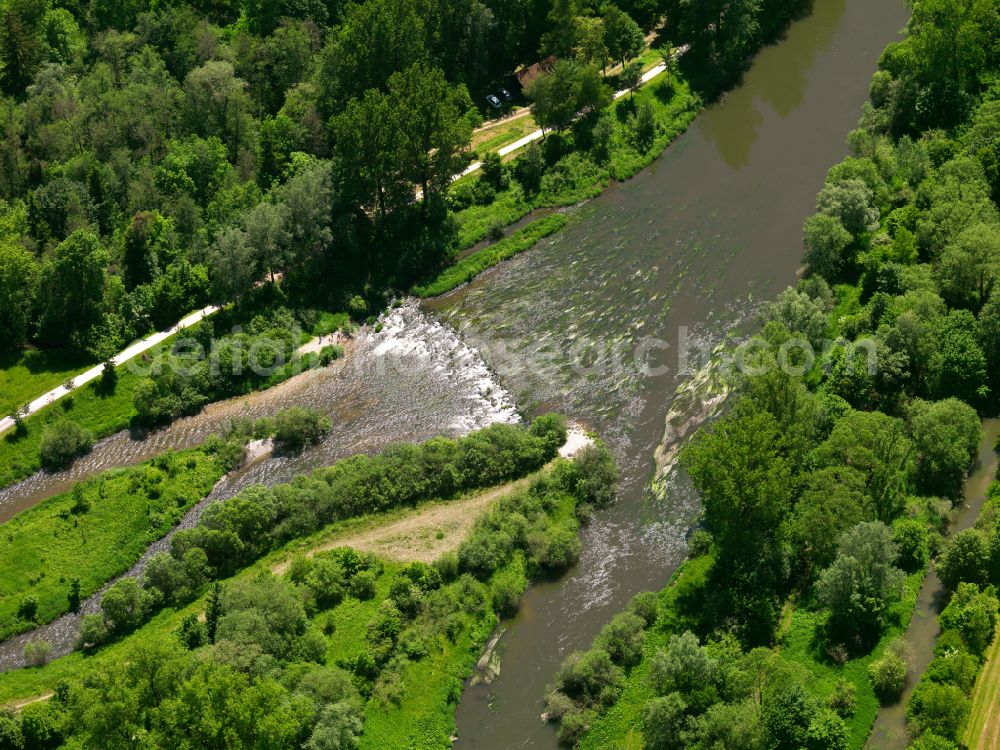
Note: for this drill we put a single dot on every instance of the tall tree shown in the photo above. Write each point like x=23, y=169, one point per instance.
x=18, y=288
x=435, y=121
x=622, y=35
x=73, y=279
x=21, y=52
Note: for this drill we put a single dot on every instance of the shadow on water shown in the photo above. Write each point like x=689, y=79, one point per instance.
x=779, y=81
x=675, y=259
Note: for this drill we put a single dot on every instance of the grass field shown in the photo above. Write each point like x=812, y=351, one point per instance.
x=471, y=266
x=24, y=376
x=500, y=134
x=94, y=533
x=982, y=730
x=100, y=412
x=423, y=715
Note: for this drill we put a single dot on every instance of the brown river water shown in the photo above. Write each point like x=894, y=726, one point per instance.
x=594, y=322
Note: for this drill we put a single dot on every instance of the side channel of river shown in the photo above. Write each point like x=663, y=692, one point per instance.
x=595, y=321
x=889, y=732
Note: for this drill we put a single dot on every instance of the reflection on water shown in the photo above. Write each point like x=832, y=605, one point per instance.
x=780, y=80
x=674, y=260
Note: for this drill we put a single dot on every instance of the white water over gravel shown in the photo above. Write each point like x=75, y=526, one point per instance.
x=407, y=379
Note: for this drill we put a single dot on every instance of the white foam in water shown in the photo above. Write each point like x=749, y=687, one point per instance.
x=407, y=332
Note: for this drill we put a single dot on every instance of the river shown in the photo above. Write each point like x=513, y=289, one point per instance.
x=595, y=321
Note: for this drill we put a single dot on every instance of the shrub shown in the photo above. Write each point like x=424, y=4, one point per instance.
x=551, y=429
x=590, y=678
x=574, y=725
x=126, y=605
x=937, y=708
x=36, y=653
x=974, y=615
x=192, y=632
x=296, y=427
x=62, y=442
x=93, y=632
x=622, y=638
x=910, y=537
x=357, y=307
x=27, y=608
x=965, y=558
x=327, y=581
x=843, y=700
x=362, y=585
x=556, y=548
x=887, y=675
x=932, y=741
x=700, y=543
x=506, y=593
x=663, y=721
x=645, y=605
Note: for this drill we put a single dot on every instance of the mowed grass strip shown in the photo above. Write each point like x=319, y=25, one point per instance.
x=982, y=731
x=93, y=533
x=473, y=265
x=24, y=376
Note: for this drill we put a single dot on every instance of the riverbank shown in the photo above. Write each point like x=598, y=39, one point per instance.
x=63, y=550
x=683, y=253
x=410, y=695
x=105, y=405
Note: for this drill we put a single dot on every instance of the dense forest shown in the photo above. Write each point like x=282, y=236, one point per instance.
x=157, y=156
x=830, y=482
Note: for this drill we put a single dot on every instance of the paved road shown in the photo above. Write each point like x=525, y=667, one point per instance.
x=125, y=355
x=537, y=134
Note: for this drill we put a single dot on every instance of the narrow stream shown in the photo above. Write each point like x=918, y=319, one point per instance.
x=889, y=732
x=412, y=380
x=596, y=322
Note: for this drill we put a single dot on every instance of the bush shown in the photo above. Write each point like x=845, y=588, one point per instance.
x=966, y=558
x=843, y=700
x=596, y=475
x=192, y=632
x=506, y=593
x=27, y=608
x=590, y=678
x=62, y=442
x=645, y=605
x=910, y=537
x=296, y=427
x=622, y=638
x=663, y=722
x=327, y=581
x=887, y=675
x=36, y=653
x=551, y=429
x=937, y=708
x=574, y=725
x=362, y=585
x=93, y=632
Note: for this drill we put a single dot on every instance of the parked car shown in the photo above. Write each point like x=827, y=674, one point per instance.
x=492, y=100
x=506, y=95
